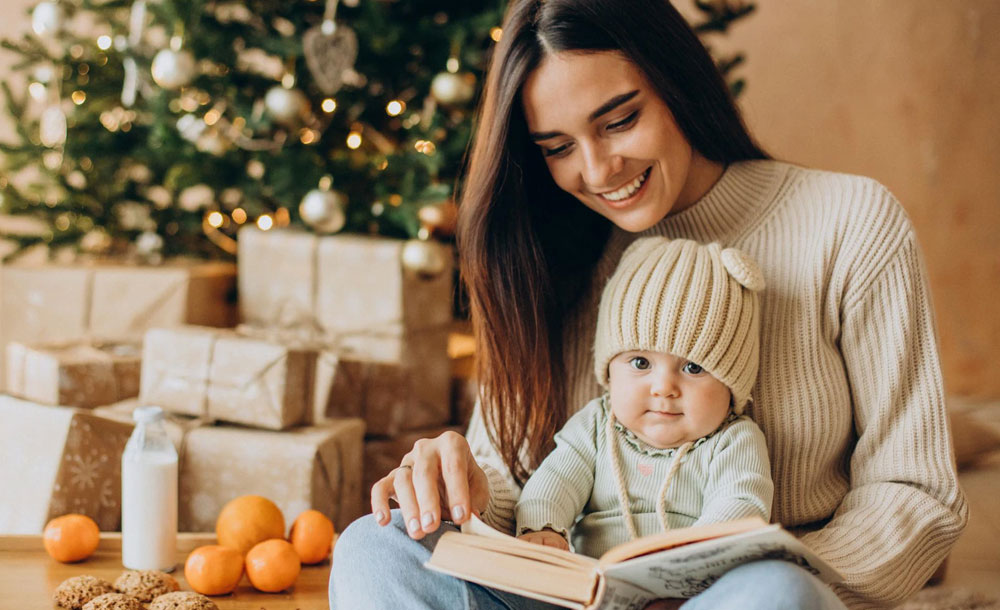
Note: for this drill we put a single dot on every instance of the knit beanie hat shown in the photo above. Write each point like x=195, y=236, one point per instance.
x=698, y=302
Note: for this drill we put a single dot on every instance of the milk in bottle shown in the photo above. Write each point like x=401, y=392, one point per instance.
x=149, y=494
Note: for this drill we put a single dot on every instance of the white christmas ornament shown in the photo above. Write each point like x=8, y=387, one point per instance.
x=173, y=69
x=196, y=197
x=451, y=89
x=323, y=210
x=148, y=245
x=424, y=257
x=190, y=127
x=286, y=106
x=52, y=126
x=47, y=18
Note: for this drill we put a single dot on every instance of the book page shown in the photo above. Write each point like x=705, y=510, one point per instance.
x=688, y=570
x=678, y=537
x=620, y=595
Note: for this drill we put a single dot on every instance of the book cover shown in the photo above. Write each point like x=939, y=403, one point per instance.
x=680, y=563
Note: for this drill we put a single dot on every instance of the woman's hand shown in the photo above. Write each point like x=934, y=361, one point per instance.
x=438, y=479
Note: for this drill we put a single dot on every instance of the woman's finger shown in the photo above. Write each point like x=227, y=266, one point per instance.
x=403, y=487
x=381, y=492
x=455, y=457
x=425, y=480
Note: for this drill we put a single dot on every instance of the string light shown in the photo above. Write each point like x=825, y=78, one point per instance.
x=216, y=219
x=239, y=216
x=424, y=146
x=329, y=105
x=354, y=140
x=212, y=117
x=79, y=97
x=104, y=42
x=265, y=222
x=282, y=218
x=395, y=108
x=395, y=200
x=37, y=91
x=496, y=33
x=452, y=64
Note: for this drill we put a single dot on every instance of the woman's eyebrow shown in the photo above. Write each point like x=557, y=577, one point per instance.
x=603, y=109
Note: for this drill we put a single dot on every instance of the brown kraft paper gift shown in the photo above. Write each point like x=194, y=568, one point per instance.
x=220, y=375
x=55, y=460
x=77, y=375
x=309, y=467
x=60, y=303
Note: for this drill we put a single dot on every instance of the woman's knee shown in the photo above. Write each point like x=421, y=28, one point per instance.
x=767, y=585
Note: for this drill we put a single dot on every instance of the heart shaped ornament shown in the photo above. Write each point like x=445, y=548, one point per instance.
x=328, y=56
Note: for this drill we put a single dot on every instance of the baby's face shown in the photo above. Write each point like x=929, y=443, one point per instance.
x=665, y=400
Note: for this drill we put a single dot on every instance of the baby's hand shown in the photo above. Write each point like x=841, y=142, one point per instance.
x=546, y=538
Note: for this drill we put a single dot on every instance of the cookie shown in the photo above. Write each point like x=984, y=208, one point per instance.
x=74, y=592
x=182, y=600
x=144, y=585
x=113, y=601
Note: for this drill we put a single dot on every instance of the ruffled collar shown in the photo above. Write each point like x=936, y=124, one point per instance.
x=647, y=449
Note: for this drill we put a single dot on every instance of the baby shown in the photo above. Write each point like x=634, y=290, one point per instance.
x=668, y=446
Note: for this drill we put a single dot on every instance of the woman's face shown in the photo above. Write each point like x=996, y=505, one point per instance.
x=610, y=141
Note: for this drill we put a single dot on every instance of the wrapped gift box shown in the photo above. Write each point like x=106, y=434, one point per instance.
x=338, y=284
x=394, y=382
x=57, y=303
x=309, y=467
x=54, y=461
x=77, y=375
x=220, y=375
x=384, y=454
x=464, y=387
x=177, y=426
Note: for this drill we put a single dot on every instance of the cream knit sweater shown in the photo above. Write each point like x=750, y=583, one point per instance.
x=849, y=394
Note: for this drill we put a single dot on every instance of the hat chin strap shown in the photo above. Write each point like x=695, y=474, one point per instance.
x=623, y=499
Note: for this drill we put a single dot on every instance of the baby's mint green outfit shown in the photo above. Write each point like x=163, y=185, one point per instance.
x=725, y=475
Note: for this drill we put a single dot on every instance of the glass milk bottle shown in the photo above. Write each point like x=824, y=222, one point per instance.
x=149, y=494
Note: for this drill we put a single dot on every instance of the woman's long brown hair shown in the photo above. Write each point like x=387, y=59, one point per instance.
x=528, y=248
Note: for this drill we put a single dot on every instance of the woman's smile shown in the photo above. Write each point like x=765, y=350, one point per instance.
x=628, y=194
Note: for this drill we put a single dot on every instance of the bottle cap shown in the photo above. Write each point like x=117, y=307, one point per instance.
x=147, y=414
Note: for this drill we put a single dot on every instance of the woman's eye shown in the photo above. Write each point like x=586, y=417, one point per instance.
x=639, y=363
x=624, y=122
x=555, y=152
x=693, y=369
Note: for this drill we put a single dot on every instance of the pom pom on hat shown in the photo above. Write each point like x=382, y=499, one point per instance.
x=698, y=302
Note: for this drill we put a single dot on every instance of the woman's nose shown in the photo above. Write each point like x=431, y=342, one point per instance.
x=600, y=167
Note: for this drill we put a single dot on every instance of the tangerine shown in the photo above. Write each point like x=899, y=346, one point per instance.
x=273, y=565
x=312, y=536
x=71, y=537
x=247, y=520
x=214, y=569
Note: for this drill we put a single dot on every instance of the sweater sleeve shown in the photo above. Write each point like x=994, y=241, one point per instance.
x=904, y=509
x=739, y=478
x=559, y=488
x=504, y=491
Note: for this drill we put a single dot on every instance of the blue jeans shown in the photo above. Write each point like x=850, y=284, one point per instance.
x=377, y=567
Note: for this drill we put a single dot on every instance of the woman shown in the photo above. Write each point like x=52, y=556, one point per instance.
x=616, y=105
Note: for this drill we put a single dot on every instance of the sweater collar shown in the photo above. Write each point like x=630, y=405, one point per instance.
x=742, y=194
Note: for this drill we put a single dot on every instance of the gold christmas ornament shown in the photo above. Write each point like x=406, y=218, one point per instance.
x=427, y=258
x=439, y=218
x=323, y=210
x=173, y=69
x=286, y=106
x=453, y=89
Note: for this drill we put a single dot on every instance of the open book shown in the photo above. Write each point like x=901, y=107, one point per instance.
x=679, y=563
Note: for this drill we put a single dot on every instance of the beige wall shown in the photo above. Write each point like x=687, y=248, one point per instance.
x=905, y=91
x=908, y=92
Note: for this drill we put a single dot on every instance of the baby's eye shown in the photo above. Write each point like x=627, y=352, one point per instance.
x=639, y=363
x=693, y=369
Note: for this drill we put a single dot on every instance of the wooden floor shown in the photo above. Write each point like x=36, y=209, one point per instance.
x=975, y=561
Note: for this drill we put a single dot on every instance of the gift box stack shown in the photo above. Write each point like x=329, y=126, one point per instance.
x=341, y=363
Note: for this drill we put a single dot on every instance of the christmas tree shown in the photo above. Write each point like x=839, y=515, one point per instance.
x=153, y=129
